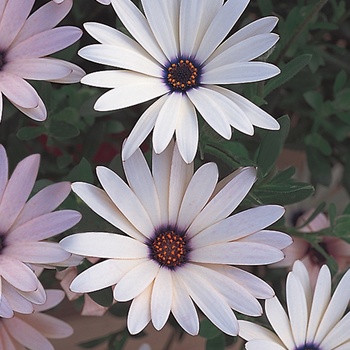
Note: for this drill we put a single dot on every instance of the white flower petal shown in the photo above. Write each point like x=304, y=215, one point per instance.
x=243, y=51
x=335, y=309
x=256, y=115
x=225, y=202
x=161, y=168
x=143, y=127
x=259, y=26
x=236, y=253
x=163, y=18
x=251, y=331
x=143, y=88
x=105, y=245
x=338, y=335
x=143, y=186
x=122, y=57
x=139, y=313
x=101, y=204
x=263, y=345
x=321, y=297
x=3, y=170
x=222, y=23
x=198, y=192
x=297, y=308
x=137, y=25
x=166, y=122
x=180, y=176
x=136, y=280
x=162, y=297
x=195, y=17
x=274, y=239
x=239, y=225
x=213, y=305
x=37, y=113
x=125, y=199
x=183, y=308
x=102, y=275
x=187, y=131
x=240, y=72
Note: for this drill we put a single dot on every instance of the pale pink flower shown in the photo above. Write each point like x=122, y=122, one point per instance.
x=24, y=43
x=23, y=228
x=302, y=250
x=33, y=331
x=180, y=242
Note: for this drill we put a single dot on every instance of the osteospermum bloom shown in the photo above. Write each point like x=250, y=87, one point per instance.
x=180, y=242
x=103, y=2
x=32, y=331
x=179, y=54
x=302, y=250
x=23, y=228
x=24, y=43
x=315, y=319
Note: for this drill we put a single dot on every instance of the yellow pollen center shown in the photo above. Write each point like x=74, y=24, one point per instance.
x=169, y=249
x=182, y=75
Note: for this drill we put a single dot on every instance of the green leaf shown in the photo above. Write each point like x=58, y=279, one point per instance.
x=319, y=166
x=271, y=146
x=319, y=142
x=30, y=132
x=342, y=226
x=63, y=130
x=81, y=172
x=339, y=81
x=288, y=71
x=208, y=330
x=314, y=99
x=342, y=100
x=217, y=343
x=103, y=297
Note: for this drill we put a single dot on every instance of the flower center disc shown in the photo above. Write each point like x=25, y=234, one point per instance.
x=182, y=75
x=169, y=249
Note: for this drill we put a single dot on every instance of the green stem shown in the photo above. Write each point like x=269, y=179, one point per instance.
x=317, y=8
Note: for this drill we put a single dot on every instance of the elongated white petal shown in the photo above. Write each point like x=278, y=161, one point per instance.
x=137, y=25
x=143, y=127
x=260, y=26
x=338, y=335
x=144, y=88
x=122, y=57
x=198, y=192
x=279, y=321
x=101, y=204
x=143, y=186
x=237, y=253
x=225, y=202
x=240, y=72
x=187, y=131
x=263, y=345
x=37, y=113
x=140, y=311
x=163, y=18
x=195, y=18
x=336, y=308
x=125, y=200
x=209, y=301
x=183, y=308
x=162, y=297
x=102, y=275
x=256, y=115
x=3, y=170
x=136, y=280
x=104, y=245
x=250, y=331
x=239, y=225
x=222, y=23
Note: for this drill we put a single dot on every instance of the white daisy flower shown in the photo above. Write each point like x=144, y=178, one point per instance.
x=179, y=54
x=180, y=242
x=315, y=318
